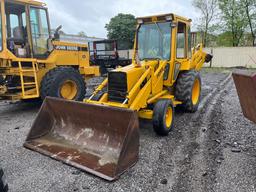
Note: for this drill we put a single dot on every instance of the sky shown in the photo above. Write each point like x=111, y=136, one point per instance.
x=91, y=16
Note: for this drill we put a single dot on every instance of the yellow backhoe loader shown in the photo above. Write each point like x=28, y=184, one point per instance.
x=101, y=135
x=32, y=63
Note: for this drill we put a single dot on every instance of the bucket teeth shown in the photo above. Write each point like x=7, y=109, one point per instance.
x=100, y=140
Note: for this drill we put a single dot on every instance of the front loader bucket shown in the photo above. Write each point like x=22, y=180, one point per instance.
x=98, y=139
x=245, y=82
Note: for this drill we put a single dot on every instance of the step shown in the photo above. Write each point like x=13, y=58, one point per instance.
x=30, y=83
x=27, y=70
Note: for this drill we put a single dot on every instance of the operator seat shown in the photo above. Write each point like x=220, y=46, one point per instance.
x=18, y=36
x=17, y=39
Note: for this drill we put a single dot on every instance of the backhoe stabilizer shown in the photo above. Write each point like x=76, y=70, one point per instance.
x=98, y=139
x=245, y=82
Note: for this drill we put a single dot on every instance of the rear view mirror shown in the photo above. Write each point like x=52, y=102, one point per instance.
x=56, y=33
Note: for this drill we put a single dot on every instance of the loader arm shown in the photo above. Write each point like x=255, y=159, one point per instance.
x=150, y=84
x=153, y=86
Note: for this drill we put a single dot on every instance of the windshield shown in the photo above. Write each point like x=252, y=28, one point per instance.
x=154, y=41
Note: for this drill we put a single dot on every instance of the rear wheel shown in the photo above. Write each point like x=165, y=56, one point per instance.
x=188, y=90
x=163, y=116
x=3, y=184
x=63, y=82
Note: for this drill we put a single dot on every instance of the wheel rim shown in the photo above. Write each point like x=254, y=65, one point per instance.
x=196, y=92
x=168, y=117
x=68, y=90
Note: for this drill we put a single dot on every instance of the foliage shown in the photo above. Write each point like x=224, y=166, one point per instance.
x=250, y=10
x=232, y=22
x=225, y=39
x=122, y=28
x=234, y=19
x=209, y=12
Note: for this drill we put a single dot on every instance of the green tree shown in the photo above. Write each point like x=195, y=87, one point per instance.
x=208, y=14
x=250, y=10
x=122, y=28
x=234, y=19
x=225, y=39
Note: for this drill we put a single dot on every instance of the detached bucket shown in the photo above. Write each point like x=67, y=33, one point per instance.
x=245, y=82
x=98, y=139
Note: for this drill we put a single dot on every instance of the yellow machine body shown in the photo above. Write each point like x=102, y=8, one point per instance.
x=28, y=58
x=145, y=80
x=144, y=89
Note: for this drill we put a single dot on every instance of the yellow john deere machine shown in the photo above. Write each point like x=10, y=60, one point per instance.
x=32, y=63
x=101, y=135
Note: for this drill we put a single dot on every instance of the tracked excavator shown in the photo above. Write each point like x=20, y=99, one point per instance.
x=101, y=134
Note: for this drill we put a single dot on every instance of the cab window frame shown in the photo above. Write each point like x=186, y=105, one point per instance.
x=46, y=54
x=184, y=43
x=189, y=33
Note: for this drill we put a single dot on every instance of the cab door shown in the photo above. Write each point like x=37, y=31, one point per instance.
x=182, y=53
x=181, y=44
x=40, y=31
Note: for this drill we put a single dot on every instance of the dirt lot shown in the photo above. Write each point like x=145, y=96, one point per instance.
x=211, y=150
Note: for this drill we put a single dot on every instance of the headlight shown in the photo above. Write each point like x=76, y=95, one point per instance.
x=168, y=18
x=140, y=21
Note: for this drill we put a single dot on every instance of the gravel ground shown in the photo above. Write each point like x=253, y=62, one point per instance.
x=211, y=150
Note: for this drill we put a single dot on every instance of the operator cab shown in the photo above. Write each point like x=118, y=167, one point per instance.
x=154, y=38
x=27, y=30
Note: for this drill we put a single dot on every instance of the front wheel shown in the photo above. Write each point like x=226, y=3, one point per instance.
x=163, y=116
x=63, y=82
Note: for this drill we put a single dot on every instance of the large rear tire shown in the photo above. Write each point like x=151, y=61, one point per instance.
x=163, y=116
x=63, y=82
x=188, y=90
x=3, y=184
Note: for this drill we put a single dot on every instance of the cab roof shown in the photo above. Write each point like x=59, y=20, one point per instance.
x=163, y=17
x=29, y=2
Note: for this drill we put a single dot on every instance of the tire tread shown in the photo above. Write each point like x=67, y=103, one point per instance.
x=183, y=89
x=49, y=81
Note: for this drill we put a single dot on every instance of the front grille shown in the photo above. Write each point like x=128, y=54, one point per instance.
x=117, y=86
